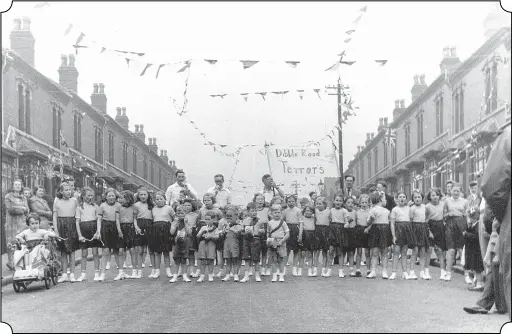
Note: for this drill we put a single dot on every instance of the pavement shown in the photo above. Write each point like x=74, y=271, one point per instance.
x=300, y=304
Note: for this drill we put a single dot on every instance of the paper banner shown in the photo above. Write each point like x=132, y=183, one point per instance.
x=158, y=70
x=317, y=91
x=68, y=29
x=262, y=95
x=245, y=95
x=79, y=39
x=148, y=65
x=381, y=62
x=211, y=61
x=293, y=64
x=248, y=63
x=187, y=65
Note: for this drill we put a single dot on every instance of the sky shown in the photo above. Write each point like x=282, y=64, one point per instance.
x=411, y=36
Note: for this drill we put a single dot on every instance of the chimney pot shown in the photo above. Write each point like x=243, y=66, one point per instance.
x=26, y=23
x=141, y=128
x=118, y=109
x=381, y=121
x=385, y=121
x=102, y=88
x=64, y=59
x=368, y=136
x=124, y=111
x=446, y=52
x=422, y=79
x=17, y=24
x=95, y=88
x=397, y=104
x=136, y=128
x=154, y=141
x=373, y=135
x=402, y=104
x=71, y=60
x=453, y=52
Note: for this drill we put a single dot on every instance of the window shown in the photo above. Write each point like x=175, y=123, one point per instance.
x=439, y=116
x=27, y=110
x=487, y=90
x=458, y=111
x=461, y=110
x=494, y=88
x=394, y=153
x=21, y=108
x=407, y=130
x=375, y=156
x=152, y=171
x=111, y=147
x=419, y=121
x=134, y=167
x=362, y=171
x=98, y=144
x=145, y=167
x=7, y=177
x=385, y=150
x=369, y=165
x=77, y=131
x=57, y=125
x=125, y=156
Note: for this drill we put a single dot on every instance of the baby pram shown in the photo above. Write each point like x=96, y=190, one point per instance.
x=36, y=260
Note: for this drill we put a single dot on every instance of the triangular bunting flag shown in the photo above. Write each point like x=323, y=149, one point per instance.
x=140, y=54
x=158, y=70
x=121, y=51
x=349, y=63
x=349, y=32
x=103, y=49
x=128, y=61
x=248, y=63
x=187, y=65
x=79, y=39
x=293, y=64
x=333, y=67
x=245, y=95
x=358, y=19
x=41, y=5
x=381, y=62
x=347, y=40
x=280, y=93
x=211, y=61
x=148, y=65
x=301, y=93
x=68, y=29
x=317, y=91
x=262, y=95
x=363, y=9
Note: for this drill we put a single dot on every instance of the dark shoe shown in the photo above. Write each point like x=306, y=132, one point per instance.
x=336, y=260
x=476, y=288
x=358, y=274
x=475, y=310
x=9, y=266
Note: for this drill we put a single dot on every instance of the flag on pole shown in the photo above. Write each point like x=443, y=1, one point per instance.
x=62, y=140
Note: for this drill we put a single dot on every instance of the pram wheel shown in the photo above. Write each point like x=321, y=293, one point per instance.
x=47, y=278
x=53, y=274
x=16, y=287
x=24, y=286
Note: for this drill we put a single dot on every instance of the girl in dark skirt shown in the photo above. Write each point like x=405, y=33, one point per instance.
x=64, y=222
x=293, y=216
x=455, y=210
x=323, y=218
x=87, y=228
x=180, y=253
x=361, y=238
x=403, y=238
x=350, y=234
x=421, y=235
x=472, y=255
x=207, y=250
x=127, y=221
x=161, y=235
x=111, y=233
x=142, y=209
x=379, y=235
x=434, y=216
x=308, y=237
x=337, y=237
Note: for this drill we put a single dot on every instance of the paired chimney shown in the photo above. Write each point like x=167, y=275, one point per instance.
x=399, y=109
x=98, y=98
x=163, y=156
x=419, y=86
x=121, y=117
x=68, y=74
x=22, y=40
x=368, y=139
x=450, y=60
x=139, y=132
x=381, y=125
x=152, y=145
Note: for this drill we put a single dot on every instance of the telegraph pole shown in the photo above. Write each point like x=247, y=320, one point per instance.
x=340, y=133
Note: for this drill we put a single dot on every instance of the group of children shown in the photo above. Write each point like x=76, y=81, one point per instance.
x=263, y=235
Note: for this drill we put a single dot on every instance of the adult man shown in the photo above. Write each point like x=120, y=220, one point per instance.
x=270, y=187
x=222, y=195
x=349, y=187
x=382, y=187
x=313, y=196
x=496, y=191
x=173, y=192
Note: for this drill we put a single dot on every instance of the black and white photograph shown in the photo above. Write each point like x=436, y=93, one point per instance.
x=261, y=166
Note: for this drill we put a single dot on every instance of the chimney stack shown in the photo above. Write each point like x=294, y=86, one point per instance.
x=22, y=40
x=381, y=125
x=163, y=156
x=399, y=109
x=368, y=139
x=386, y=121
x=152, y=145
x=450, y=60
x=139, y=132
x=121, y=117
x=98, y=98
x=68, y=74
x=373, y=135
x=419, y=86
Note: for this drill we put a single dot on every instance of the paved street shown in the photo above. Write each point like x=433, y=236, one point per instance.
x=298, y=305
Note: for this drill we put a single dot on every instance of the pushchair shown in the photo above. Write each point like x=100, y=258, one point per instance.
x=35, y=261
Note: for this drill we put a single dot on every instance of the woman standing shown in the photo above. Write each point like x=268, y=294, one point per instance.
x=17, y=207
x=38, y=204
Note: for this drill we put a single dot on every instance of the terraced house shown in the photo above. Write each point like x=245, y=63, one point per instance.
x=447, y=131
x=49, y=131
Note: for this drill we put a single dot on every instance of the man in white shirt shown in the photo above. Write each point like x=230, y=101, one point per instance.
x=270, y=187
x=173, y=192
x=222, y=195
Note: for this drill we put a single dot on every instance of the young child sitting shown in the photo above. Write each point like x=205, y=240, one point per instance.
x=277, y=234
x=34, y=251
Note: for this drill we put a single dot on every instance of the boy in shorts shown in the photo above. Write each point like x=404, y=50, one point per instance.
x=252, y=234
x=277, y=234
